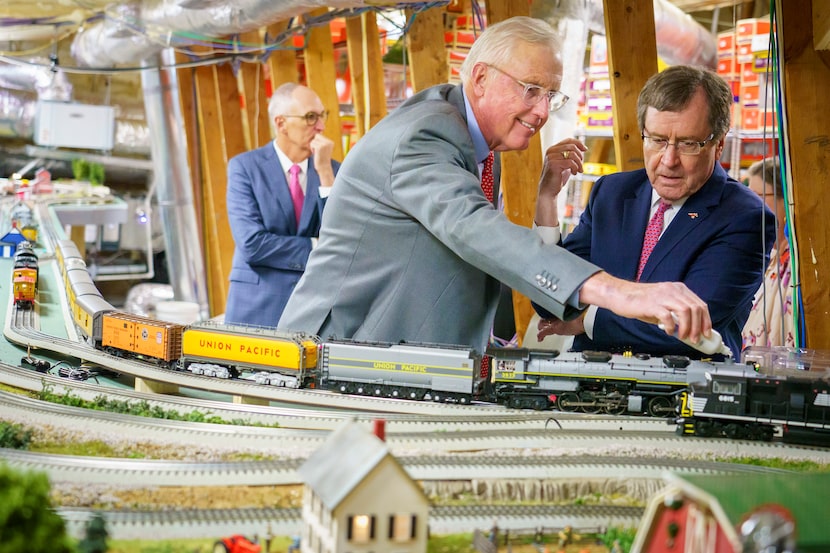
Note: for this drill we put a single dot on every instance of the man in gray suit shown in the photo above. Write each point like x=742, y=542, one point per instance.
x=273, y=231
x=411, y=249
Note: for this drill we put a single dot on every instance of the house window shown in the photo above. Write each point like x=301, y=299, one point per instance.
x=361, y=528
x=402, y=527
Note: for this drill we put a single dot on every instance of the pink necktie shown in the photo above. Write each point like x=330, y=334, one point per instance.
x=296, y=190
x=487, y=180
x=652, y=235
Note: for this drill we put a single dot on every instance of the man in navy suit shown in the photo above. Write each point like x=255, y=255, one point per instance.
x=272, y=238
x=716, y=233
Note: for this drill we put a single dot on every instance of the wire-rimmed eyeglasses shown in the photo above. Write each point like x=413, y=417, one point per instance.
x=312, y=117
x=683, y=147
x=533, y=93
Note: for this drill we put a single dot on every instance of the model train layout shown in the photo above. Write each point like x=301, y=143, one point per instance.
x=774, y=388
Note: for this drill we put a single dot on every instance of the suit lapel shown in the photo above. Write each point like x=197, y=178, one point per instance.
x=691, y=215
x=634, y=220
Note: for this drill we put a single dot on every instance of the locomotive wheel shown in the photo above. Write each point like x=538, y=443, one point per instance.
x=703, y=429
x=660, y=407
x=378, y=392
x=591, y=407
x=343, y=388
x=616, y=408
x=734, y=431
x=567, y=402
x=540, y=404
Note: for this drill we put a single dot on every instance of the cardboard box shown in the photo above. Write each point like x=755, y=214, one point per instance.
x=726, y=43
x=747, y=28
x=726, y=67
x=750, y=119
x=748, y=74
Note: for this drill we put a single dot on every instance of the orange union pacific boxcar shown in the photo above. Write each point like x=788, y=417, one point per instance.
x=239, y=348
x=124, y=333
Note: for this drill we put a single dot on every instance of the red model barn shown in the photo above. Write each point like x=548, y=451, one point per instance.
x=719, y=514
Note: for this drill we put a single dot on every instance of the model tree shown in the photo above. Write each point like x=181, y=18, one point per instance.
x=95, y=540
x=27, y=519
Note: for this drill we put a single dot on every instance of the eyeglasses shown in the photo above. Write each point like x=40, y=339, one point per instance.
x=683, y=147
x=533, y=93
x=312, y=117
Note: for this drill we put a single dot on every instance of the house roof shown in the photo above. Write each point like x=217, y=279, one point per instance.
x=349, y=454
x=804, y=495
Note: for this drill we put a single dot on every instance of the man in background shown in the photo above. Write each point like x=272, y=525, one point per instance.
x=275, y=199
x=708, y=231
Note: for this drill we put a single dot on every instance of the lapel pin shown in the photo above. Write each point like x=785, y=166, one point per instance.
x=693, y=215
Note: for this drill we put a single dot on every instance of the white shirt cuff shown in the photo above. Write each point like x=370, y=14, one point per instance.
x=549, y=235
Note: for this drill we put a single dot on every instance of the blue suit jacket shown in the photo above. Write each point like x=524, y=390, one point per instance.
x=271, y=251
x=718, y=244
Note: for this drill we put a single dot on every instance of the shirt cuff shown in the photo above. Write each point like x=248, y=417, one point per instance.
x=324, y=191
x=549, y=235
x=588, y=321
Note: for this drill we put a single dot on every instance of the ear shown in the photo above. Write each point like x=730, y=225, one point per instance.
x=478, y=78
x=719, y=147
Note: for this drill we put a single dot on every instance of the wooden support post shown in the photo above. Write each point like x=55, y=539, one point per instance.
x=252, y=98
x=520, y=170
x=220, y=138
x=624, y=19
x=366, y=68
x=806, y=80
x=282, y=62
x=321, y=77
x=427, y=54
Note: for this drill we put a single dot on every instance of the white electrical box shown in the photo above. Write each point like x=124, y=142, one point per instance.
x=71, y=125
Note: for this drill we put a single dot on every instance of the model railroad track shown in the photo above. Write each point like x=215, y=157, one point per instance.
x=154, y=473
x=287, y=522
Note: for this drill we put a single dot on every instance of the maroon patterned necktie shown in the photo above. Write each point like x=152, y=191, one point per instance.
x=487, y=185
x=652, y=235
x=487, y=181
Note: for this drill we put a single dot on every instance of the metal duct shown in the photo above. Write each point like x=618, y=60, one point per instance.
x=134, y=32
x=174, y=192
x=680, y=39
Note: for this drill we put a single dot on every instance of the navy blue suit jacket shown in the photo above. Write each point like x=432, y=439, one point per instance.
x=718, y=244
x=271, y=251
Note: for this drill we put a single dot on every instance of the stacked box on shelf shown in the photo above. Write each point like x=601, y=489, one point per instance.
x=757, y=108
x=461, y=32
x=598, y=113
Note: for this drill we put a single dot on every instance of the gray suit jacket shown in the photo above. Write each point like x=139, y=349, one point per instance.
x=409, y=247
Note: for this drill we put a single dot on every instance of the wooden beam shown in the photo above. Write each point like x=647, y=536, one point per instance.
x=426, y=51
x=366, y=68
x=625, y=19
x=520, y=170
x=821, y=25
x=354, y=47
x=221, y=137
x=252, y=98
x=282, y=62
x=806, y=80
x=321, y=77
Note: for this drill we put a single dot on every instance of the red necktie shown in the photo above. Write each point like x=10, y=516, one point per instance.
x=487, y=180
x=652, y=235
x=487, y=185
x=296, y=190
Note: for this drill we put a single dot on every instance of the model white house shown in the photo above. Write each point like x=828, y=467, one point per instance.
x=358, y=498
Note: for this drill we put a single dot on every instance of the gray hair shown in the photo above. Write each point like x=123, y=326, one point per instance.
x=673, y=88
x=496, y=44
x=770, y=172
x=281, y=100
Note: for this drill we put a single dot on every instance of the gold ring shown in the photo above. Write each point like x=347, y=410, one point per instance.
x=566, y=154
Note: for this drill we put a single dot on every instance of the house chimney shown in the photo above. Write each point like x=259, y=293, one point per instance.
x=379, y=429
